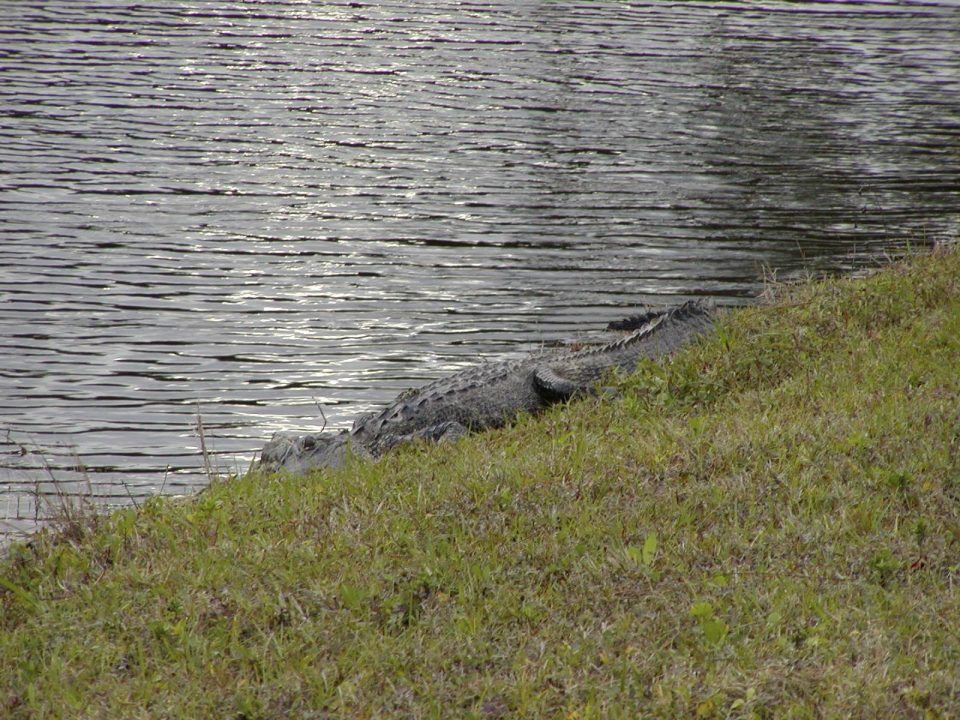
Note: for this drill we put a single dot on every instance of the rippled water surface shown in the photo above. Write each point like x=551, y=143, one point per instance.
x=246, y=210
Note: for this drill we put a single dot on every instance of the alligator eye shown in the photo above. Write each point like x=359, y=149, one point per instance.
x=309, y=442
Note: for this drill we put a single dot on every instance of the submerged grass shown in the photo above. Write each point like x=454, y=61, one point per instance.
x=767, y=525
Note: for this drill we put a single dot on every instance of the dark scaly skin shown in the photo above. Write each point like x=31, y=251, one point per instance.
x=492, y=395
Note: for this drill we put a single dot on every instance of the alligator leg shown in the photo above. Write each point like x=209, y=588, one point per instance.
x=553, y=387
x=449, y=431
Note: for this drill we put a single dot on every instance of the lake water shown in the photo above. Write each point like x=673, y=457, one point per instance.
x=247, y=211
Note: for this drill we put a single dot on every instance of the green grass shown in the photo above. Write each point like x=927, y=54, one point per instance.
x=766, y=526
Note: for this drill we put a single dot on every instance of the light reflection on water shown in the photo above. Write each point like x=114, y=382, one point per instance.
x=248, y=210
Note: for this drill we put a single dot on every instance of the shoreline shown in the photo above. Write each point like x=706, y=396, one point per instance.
x=763, y=525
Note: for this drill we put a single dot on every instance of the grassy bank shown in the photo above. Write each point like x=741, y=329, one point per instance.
x=766, y=526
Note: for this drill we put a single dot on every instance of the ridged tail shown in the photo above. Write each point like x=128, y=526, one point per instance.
x=656, y=334
x=667, y=331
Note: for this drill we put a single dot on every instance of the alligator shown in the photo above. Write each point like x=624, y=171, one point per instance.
x=493, y=394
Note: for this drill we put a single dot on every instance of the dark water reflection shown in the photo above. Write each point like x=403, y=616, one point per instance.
x=248, y=209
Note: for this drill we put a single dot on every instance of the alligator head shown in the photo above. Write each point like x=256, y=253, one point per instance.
x=298, y=454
